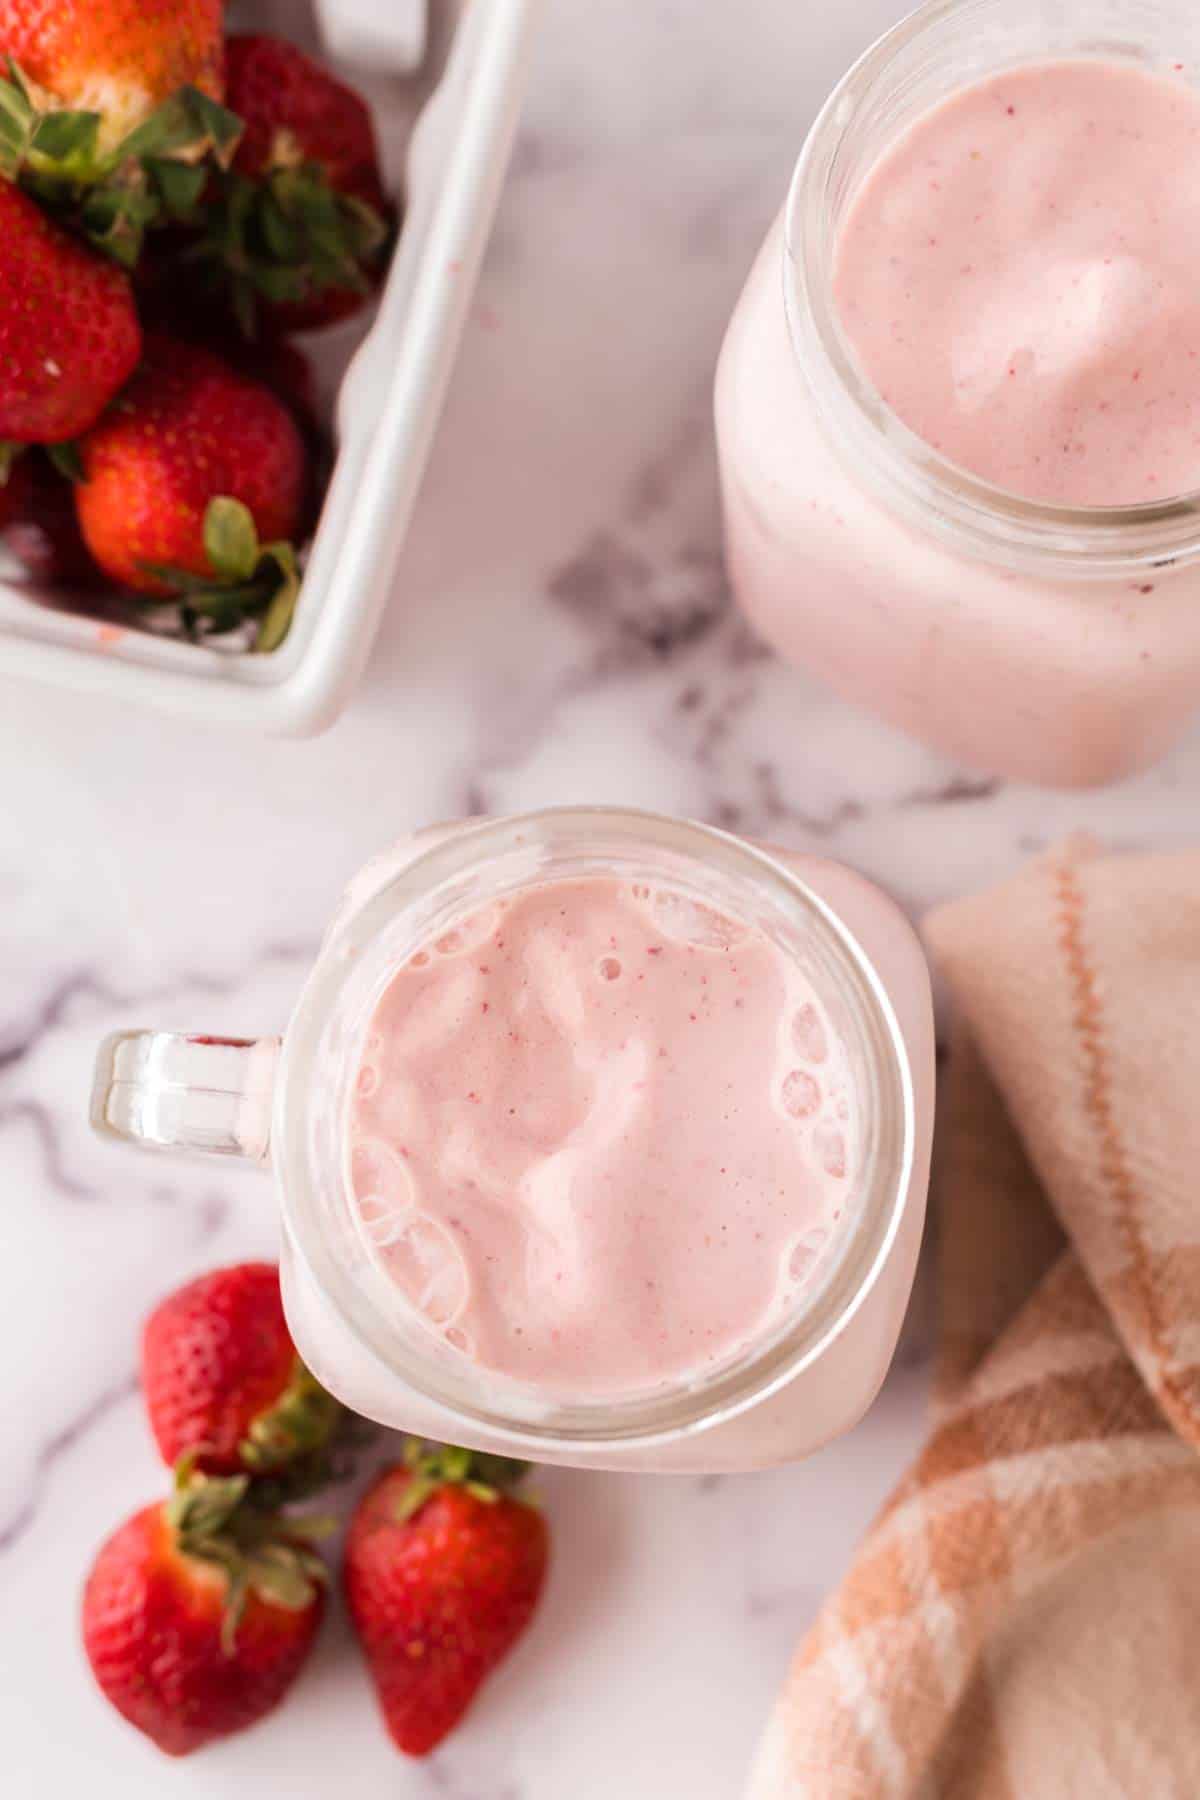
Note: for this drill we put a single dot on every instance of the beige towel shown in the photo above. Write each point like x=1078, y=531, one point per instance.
x=1023, y=1620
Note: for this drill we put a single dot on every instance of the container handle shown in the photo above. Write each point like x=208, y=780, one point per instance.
x=205, y=1096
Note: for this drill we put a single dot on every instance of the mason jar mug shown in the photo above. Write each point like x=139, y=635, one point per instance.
x=447, y=1224
x=1051, y=643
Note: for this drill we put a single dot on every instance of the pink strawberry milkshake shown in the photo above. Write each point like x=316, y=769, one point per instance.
x=602, y=1138
x=1020, y=277
x=987, y=271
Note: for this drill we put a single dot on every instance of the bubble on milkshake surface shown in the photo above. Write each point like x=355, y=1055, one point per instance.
x=688, y=921
x=367, y=1081
x=460, y=1340
x=419, y=959
x=383, y=1224
x=830, y=1146
x=471, y=931
x=377, y=1171
x=800, y=1260
x=805, y=1253
x=608, y=968
x=808, y=1034
x=801, y=1095
x=427, y=1266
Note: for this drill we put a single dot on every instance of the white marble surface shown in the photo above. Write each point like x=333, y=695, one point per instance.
x=559, y=632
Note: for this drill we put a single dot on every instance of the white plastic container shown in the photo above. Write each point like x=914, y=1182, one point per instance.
x=387, y=408
x=284, y=1103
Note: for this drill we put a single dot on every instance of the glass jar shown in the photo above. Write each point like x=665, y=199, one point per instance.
x=1053, y=644
x=285, y=1103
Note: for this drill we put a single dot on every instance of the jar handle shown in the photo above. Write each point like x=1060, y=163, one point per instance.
x=207, y=1096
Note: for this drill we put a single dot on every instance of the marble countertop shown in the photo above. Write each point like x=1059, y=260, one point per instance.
x=559, y=631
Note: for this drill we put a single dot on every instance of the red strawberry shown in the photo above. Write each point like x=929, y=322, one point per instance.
x=119, y=58
x=288, y=102
x=198, y=1615
x=39, y=527
x=274, y=360
x=181, y=480
x=111, y=111
x=69, y=336
x=279, y=364
x=188, y=428
x=222, y=1380
x=270, y=358
x=302, y=221
x=442, y=1575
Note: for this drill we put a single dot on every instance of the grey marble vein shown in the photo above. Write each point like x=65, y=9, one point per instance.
x=69, y=1436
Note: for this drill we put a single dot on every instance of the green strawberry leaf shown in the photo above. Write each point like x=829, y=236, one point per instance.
x=216, y=616
x=281, y=1575
x=287, y=237
x=366, y=229
x=68, y=140
x=201, y=1506
x=484, y=1476
x=18, y=121
x=114, y=213
x=279, y=234
x=20, y=81
x=259, y=581
x=199, y=588
x=222, y=128
x=235, y=1608
x=9, y=453
x=169, y=131
x=230, y=539
x=276, y=282
x=62, y=145
x=301, y=1421
x=277, y=620
x=66, y=459
x=235, y=1525
x=236, y=212
x=159, y=170
x=186, y=128
x=312, y=1528
x=180, y=185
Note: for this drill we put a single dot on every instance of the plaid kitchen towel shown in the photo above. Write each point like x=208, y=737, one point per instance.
x=1023, y=1620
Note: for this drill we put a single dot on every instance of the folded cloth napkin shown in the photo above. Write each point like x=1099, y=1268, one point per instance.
x=1023, y=1620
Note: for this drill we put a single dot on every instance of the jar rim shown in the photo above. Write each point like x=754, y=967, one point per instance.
x=680, y=1408
x=979, y=519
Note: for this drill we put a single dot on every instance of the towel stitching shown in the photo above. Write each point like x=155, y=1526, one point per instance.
x=1088, y=1019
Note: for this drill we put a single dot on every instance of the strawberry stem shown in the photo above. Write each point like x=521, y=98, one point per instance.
x=66, y=459
x=223, y=1520
x=157, y=173
x=300, y=1423
x=247, y=580
x=433, y=1466
x=288, y=236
